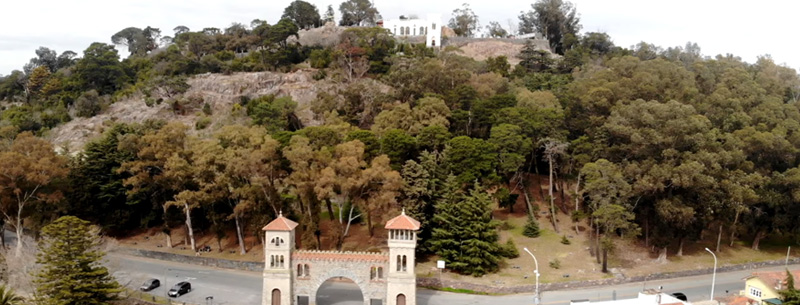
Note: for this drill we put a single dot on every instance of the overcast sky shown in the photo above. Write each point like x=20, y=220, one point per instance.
x=743, y=28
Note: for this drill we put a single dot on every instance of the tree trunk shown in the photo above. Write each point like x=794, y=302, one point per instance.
x=597, y=242
x=552, y=200
x=239, y=235
x=18, y=229
x=3, y=235
x=577, y=207
x=662, y=255
x=757, y=240
x=528, y=202
x=646, y=232
x=350, y=219
x=680, y=247
x=169, y=238
x=561, y=189
x=330, y=208
x=719, y=238
x=733, y=227
x=605, y=260
x=369, y=224
x=189, y=226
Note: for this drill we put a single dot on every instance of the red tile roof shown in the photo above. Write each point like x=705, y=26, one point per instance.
x=340, y=256
x=403, y=222
x=280, y=224
x=771, y=279
x=739, y=300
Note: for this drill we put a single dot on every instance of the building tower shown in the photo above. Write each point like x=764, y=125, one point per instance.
x=402, y=281
x=277, y=262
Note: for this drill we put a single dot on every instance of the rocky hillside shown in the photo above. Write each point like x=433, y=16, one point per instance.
x=219, y=91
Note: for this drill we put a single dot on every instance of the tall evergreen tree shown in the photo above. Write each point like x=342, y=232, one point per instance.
x=472, y=248
x=790, y=295
x=71, y=271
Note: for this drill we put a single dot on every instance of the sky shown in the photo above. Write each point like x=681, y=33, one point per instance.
x=747, y=29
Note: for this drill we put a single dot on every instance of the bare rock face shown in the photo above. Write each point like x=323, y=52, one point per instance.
x=221, y=92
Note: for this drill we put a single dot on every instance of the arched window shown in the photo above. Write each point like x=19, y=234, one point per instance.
x=307, y=269
x=283, y=265
x=299, y=270
x=401, y=299
x=380, y=272
x=402, y=30
x=408, y=30
x=433, y=26
x=395, y=30
x=399, y=262
x=415, y=30
x=277, y=241
x=272, y=261
x=422, y=30
x=404, y=263
x=373, y=273
x=276, y=297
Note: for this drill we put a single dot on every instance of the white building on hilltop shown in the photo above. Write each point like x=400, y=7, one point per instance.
x=431, y=28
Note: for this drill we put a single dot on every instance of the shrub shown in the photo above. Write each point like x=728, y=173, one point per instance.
x=88, y=104
x=555, y=263
x=202, y=123
x=206, y=109
x=510, y=249
x=531, y=227
x=565, y=240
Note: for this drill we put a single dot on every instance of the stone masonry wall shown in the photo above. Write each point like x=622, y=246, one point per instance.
x=333, y=265
x=194, y=260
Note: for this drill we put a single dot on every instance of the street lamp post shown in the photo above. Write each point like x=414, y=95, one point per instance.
x=713, y=277
x=536, y=298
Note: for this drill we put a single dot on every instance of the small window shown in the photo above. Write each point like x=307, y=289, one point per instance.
x=755, y=292
x=380, y=272
x=433, y=26
x=422, y=30
x=276, y=241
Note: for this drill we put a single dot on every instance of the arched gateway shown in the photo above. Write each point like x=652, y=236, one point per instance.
x=292, y=277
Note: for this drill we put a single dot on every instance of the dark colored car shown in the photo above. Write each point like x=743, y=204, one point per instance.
x=150, y=285
x=180, y=289
x=680, y=296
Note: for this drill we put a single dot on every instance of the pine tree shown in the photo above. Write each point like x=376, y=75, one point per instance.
x=71, y=271
x=465, y=235
x=531, y=227
x=790, y=295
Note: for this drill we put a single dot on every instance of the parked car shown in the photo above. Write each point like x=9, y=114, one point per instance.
x=680, y=296
x=150, y=285
x=180, y=289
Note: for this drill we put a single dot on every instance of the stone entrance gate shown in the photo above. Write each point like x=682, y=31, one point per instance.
x=292, y=277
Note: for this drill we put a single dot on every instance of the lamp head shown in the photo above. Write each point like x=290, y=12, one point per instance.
x=708, y=250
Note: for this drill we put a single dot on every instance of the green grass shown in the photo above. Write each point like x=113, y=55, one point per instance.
x=455, y=290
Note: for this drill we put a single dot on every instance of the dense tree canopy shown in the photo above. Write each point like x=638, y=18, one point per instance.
x=661, y=144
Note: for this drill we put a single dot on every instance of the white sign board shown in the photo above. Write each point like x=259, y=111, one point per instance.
x=440, y=264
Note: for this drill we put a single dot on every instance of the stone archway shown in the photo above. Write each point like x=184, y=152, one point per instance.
x=337, y=273
x=340, y=291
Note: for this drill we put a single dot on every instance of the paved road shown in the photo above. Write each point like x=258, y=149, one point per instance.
x=240, y=287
